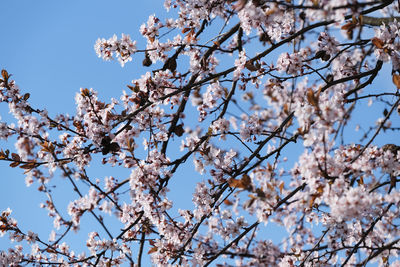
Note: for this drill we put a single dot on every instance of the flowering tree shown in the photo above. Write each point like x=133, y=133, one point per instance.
x=239, y=86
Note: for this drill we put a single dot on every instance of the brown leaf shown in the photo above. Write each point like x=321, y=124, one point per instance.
x=15, y=157
x=311, y=98
x=246, y=180
x=5, y=75
x=78, y=125
x=131, y=144
x=243, y=183
x=260, y=193
x=152, y=250
x=26, y=96
x=50, y=250
x=185, y=30
x=85, y=92
x=312, y=200
x=349, y=26
x=378, y=42
x=270, y=187
x=114, y=147
x=146, y=61
x=47, y=147
x=396, y=80
x=14, y=164
x=286, y=108
x=170, y=64
x=320, y=189
x=270, y=167
x=228, y=202
x=134, y=88
x=28, y=166
x=179, y=130
x=234, y=183
x=281, y=186
x=250, y=66
x=190, y=37
x=2, y=154
x=249, y=202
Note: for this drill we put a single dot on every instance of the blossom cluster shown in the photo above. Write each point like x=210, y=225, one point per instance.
x=122, y=49
x=266, y=137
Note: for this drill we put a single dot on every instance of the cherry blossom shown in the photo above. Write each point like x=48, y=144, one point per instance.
x=268, y=109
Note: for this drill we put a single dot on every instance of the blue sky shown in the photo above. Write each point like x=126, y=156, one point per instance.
x=48, y=46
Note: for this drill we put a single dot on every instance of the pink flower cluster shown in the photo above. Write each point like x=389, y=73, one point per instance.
x=122, y=49
x=269, y=141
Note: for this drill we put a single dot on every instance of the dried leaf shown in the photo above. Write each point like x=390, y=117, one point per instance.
x=185, y=30
x=210, y=131
x=15, y=157
x=270, y=187
x=5, y=75
x=85, y=92
x=152, y=250
x=228, y=202
x=378, y=42
x=14, y=164
x=50, y=250
x=26, y=96
x=234, y=183
x=311, y=98
x=286, y=108
x=320, y=190
x=170, y=64
x=246, y=180
x=47, y=147
x=252, y=196
x=28, y=166
x=320, y=54
x=396, y=80
x=146, y=61
x=349, y=26
x=190, y=38
x=2, y=155
x=270, y=167
x=260, y=193
x=250, y=66
x=249, y=202
x=134, y=88
x=131, y=144
x=312, y=200
x=281, y=186
x=243, y=183
x=179, y=130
